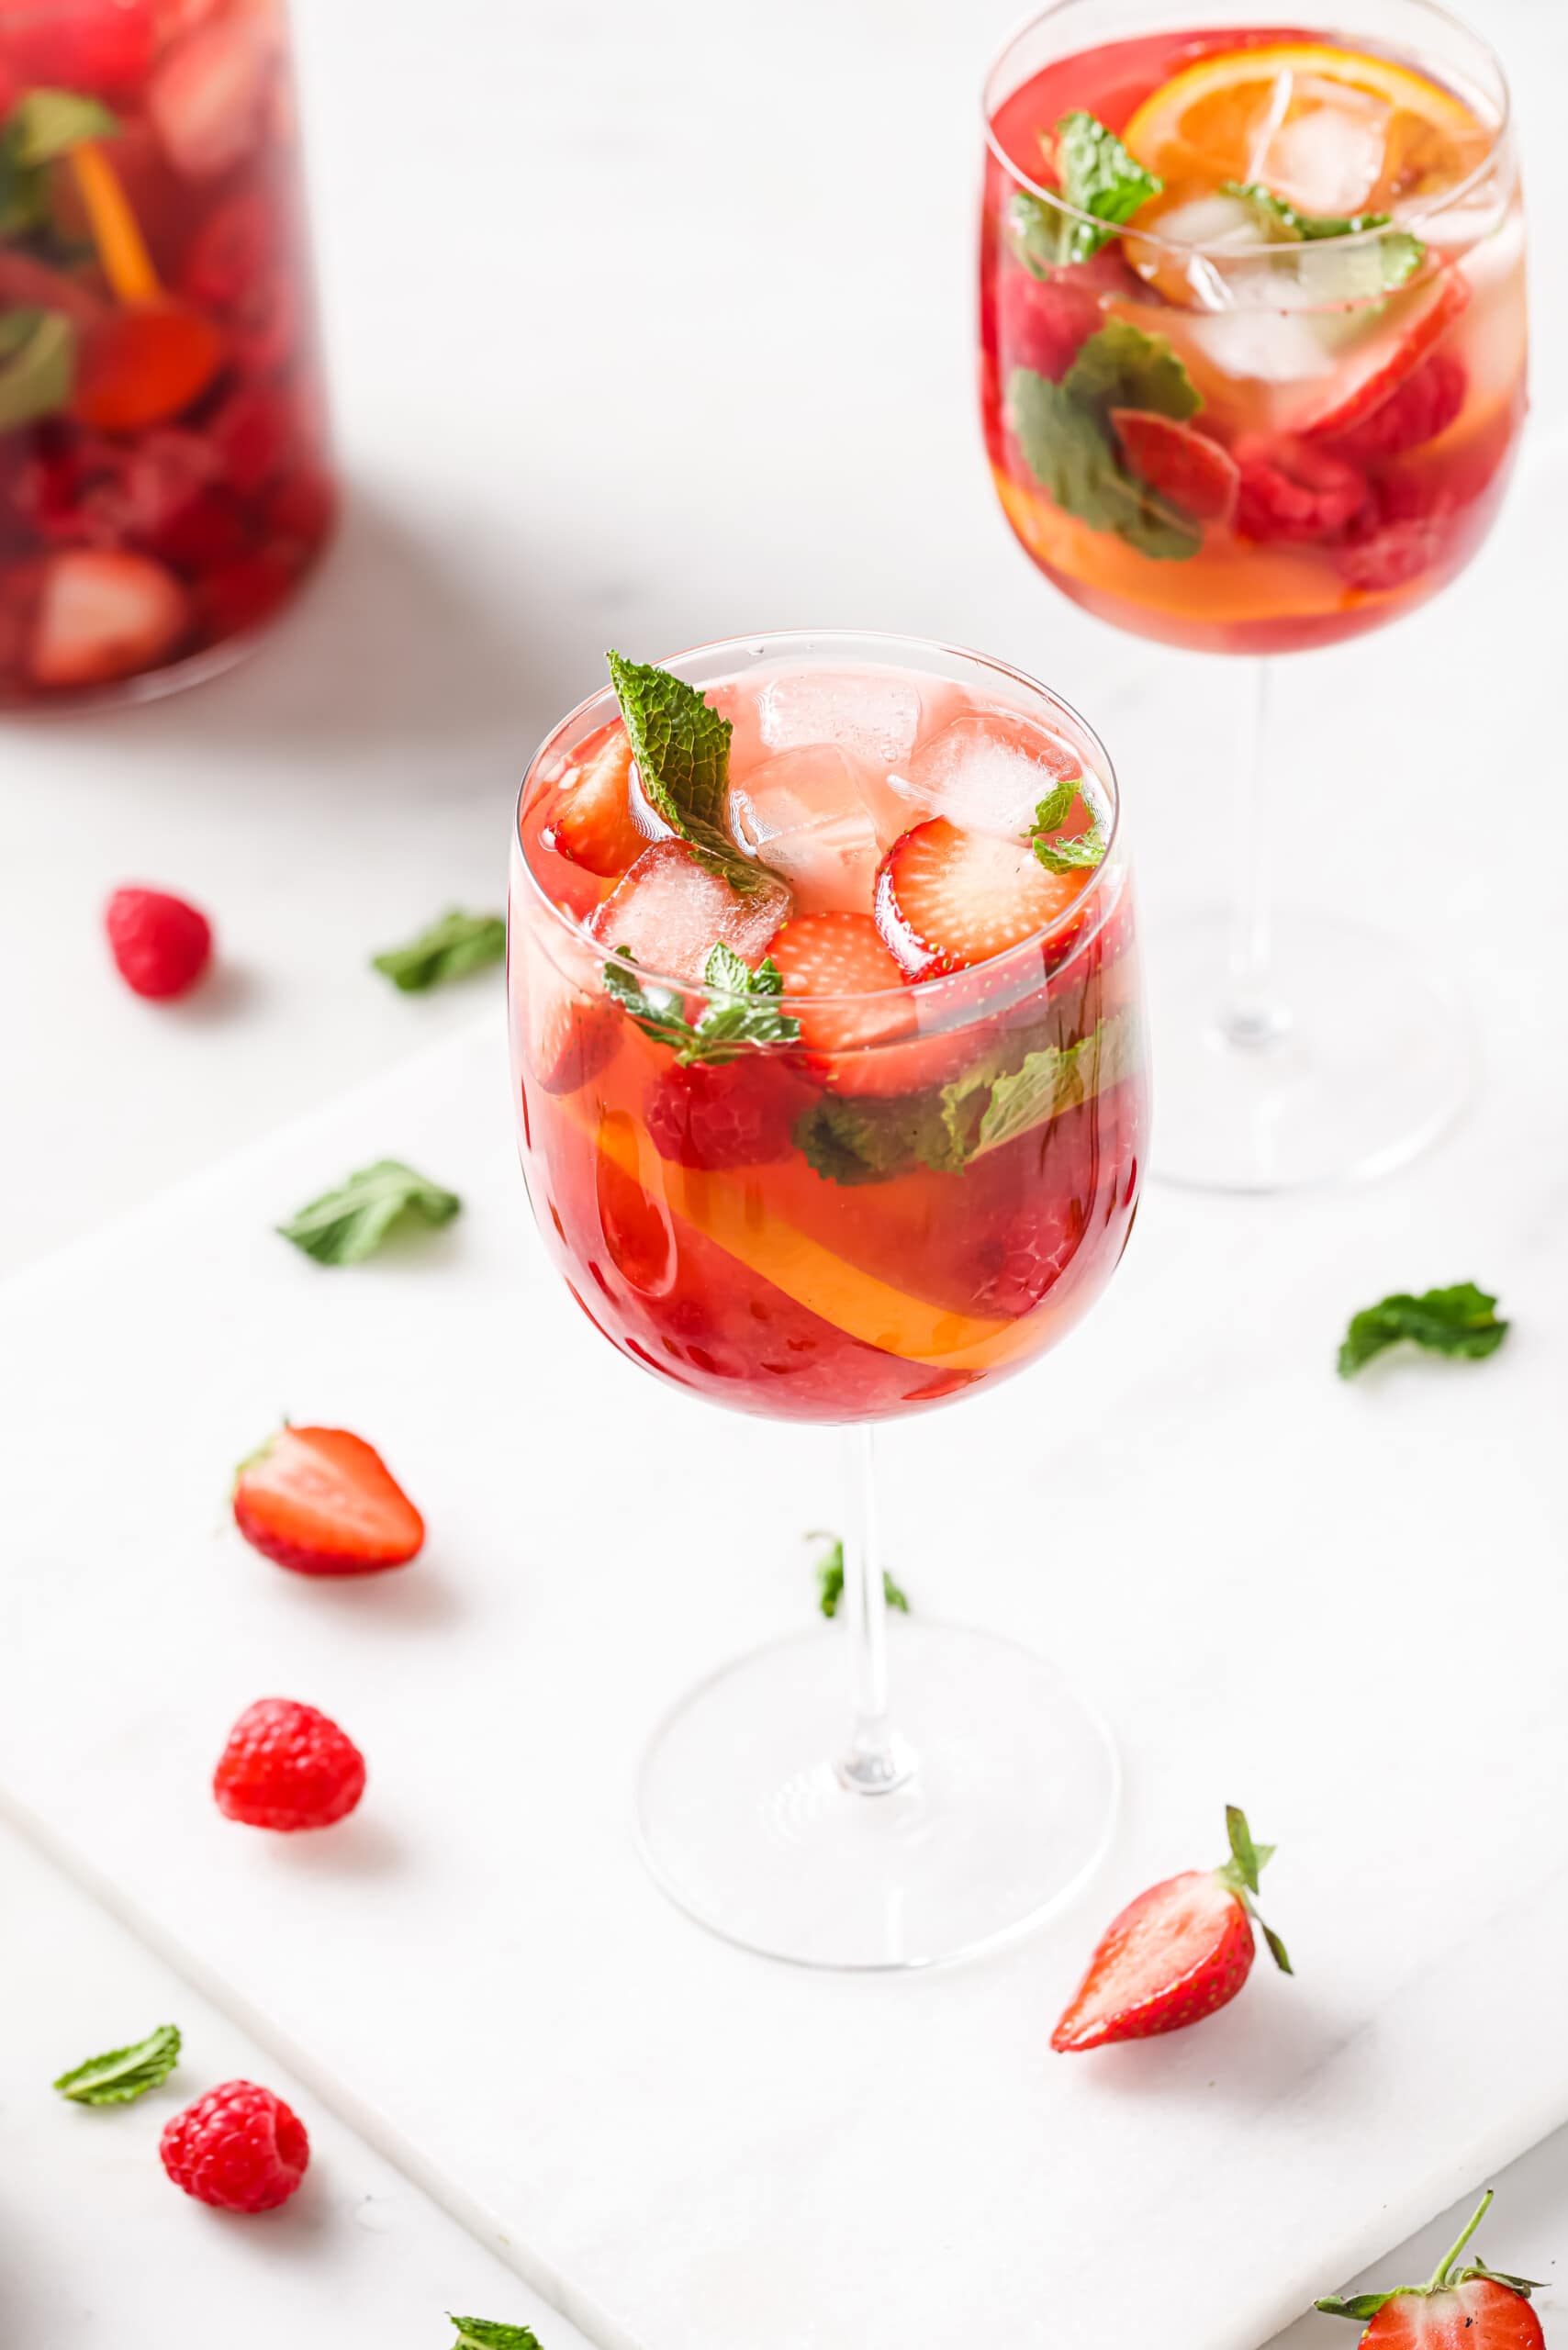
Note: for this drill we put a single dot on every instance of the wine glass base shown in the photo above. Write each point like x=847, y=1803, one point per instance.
x=745, y=1823
x=1371, y=1061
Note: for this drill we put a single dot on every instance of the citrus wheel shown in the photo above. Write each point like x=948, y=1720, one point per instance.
x=1333, y=131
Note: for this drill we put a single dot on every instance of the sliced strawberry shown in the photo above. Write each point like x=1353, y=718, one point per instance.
x=1183, y=464
x=738, y=1114
x=143, y=366
x=103, y=613
x=593, y=825
x=1174, y=1956
x=946, y=900
x=208, y=99
x=1423, y=406
x=322, y=1502
x=1292, y=489
x=669, y=912
x=1373, y=374
x=1468, y=2308
x=860, y=1040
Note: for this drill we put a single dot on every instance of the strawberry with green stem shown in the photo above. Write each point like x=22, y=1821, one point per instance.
x=1469, y=2307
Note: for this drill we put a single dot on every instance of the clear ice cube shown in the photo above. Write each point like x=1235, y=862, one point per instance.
x=669, y=912
x=822, y=818
x=874, y=714
x=986, y=773
x=1327, y=153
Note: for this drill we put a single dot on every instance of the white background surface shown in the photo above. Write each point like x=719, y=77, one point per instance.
x=650, y=326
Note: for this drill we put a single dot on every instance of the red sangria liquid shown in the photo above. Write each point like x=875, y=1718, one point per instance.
x=1252, y=308
x=826, y=1022
x=164, y=476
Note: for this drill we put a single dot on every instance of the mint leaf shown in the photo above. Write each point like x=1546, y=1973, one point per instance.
x=1461, y=1321
x=485, y=2333
x=867, y=1140
x=1064, y=430
x=1098, y=175
x=124, y=2073
x=346, y=1225
x=1053, y=810
x=1120, y=366
x=47, y=123
x=1082, y=851
x=1374, y=268
x=38, y=349
x=747, y=1016
x=1039, y=232
x=682, y=749
x=449, y=949
x=830, y=1579
x=1056, y=1077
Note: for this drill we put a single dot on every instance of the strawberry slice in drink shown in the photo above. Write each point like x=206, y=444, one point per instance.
x=1187, y=467
x=593, y=825
x=1368, y=376
x=947, y=900
x=859, y=1039
x=103, y=613
x=670, y=911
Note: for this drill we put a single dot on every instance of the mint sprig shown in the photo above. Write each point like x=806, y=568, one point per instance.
x=487, y=2334
x=1095, y=175
x=1396, y=256
x=447, y=949
x=746, y=1013
x=1080, y=852
x=1066, y=435
x=682, y=749
x=124, y=2074
x=45, y=124
x=348, y=1223
x=1461, y=1321
x=830, y=1579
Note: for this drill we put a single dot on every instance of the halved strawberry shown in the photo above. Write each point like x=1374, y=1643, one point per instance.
x=1472, y=2307
x=1373, y=375
x=946, y=900
x=103, y=613
x=208, y=97
x=860, y=1040
x=322, y=1502
x=593, y=825
x=1174, y=1956
x=1183, y=464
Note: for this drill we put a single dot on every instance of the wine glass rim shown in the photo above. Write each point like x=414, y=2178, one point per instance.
x=1178, y=249
x=949, y=986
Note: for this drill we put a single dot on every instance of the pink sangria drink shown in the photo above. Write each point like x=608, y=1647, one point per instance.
x=847, y=1117
x=165, y=483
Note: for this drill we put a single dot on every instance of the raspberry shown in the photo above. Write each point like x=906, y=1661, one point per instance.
x=1424, y=404
x=239, y=2148
x=1033, y=1249
x=1292, y=489
x=737, y=1114
x=160, y=944
x=1042, y=323
x=1405, y=529
x=287, y=1766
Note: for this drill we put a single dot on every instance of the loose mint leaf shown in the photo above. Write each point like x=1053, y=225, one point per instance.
x=485, y=2333
x=1121, y=366
x=1461, y=1321
x=457, y=943
x=347, y=1224
x=125, y=2072
x=38, y=366
x=1374, y=268
x=1073, y=458
x=746, y=1015
x=1098, y=175
x=682, y=749
x=47, y=123
x=830, y=1579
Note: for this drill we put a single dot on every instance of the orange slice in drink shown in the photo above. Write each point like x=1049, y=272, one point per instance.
x=1333, y=131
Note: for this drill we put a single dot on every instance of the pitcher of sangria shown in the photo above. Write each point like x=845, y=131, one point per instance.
x=1252, y=377
x=165, y=481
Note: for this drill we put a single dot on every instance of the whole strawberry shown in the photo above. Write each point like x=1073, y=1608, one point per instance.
x=1472, y=2307
x=1177, y=1953
x=288, y=1768
x=239, y=2148
x=160, y=944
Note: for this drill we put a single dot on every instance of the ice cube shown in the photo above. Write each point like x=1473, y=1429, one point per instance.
x=874, y=714
x=822, y=818
x=669, y=912
x=986, y=772
x=1326, y=153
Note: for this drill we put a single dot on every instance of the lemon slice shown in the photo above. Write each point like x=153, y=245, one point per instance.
x=1334, y=131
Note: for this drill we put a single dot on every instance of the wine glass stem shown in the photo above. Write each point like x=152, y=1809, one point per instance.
x=1251, y=1015
x=876, y=1761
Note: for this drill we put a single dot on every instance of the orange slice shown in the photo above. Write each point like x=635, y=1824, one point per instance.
x=1333, y=131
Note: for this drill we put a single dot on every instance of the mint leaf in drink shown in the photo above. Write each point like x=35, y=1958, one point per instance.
x=867, y=1140
x=37, y=364
x=1377, y=267
x=682, y=749
x=1120, y=366
x=746, y=1013
x=1048, y=1081
x=1098, y=175
x=124, y=2074
x=1038, y=233
x=830, y=1579
x=486, y=2333
x=47, y=123
x=448, y=949
x=1461, y=1321
x=1073, y=458
x=349, y=1224
x=1080, y=851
